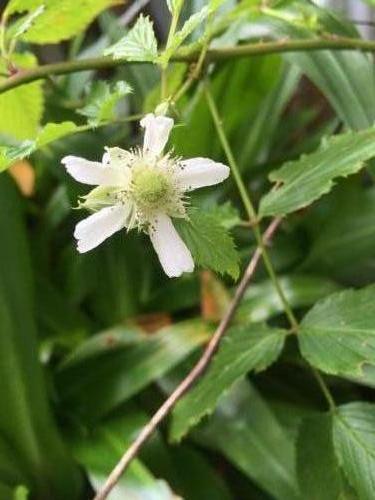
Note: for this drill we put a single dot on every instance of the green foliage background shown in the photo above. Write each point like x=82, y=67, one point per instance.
x=91, y=345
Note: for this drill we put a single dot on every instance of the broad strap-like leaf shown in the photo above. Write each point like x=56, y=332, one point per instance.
x=338, y=334
x=209, y=242
x=354, y=438
x=246, y=431
x=26, y=423
x=94, y=385
x=252, y=347
x=319, y=476
x=100, y=449
x=139, y=44
x=300, y=182
x=261, y=301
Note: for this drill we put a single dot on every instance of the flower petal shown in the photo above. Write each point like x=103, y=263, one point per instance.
x=96, y=228
x=199, y=172
x=157, y=130
x=173, y=254
x=94, y=173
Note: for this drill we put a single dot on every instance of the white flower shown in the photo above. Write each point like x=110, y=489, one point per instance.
x=142, y=188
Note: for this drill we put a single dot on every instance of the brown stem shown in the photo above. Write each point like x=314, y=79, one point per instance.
x=193, y=375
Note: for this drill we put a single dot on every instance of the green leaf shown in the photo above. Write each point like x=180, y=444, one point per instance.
x=102, y=101
x=354, y=439
x=49, y=133
x=246, y=348
x=343, y=246
x=27, y=425
x=318, y=471
x=174, y=5
x=22, y=107
x=209, y=242
x=178, y=38
x=307, y=179
x=102, y=447
x=54, y=131
x=246, y=431
x=338, y=334
x=94, y=385
x=346, y=78
x=138, y=45
x=262, y=302
x=21, y=493
x=60, y=19
x=25, y=23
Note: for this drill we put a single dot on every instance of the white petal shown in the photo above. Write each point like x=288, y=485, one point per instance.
x=94, y=173
x=96, y=228
x=199, y=172
x=157, y=130
x=173, y=254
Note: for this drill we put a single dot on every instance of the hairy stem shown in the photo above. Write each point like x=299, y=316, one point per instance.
x=194, y=374
x=249, y=207
x=185, y=55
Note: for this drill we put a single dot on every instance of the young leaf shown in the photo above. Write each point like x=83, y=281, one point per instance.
x=138, y=45
x=178, y=38
x=174, y=5
x=354, y=439
x=22, y=107
x=60, y=19
x=338, y=334
x=209, y=242
x=318, y=471
x=102, y=101
x=307, y=179
x=25, y=23
x=245, y=348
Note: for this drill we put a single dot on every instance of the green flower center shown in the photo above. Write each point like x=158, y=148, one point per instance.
x=151, y=187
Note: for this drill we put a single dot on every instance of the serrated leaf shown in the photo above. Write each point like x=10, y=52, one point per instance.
x=25, y=23
x=61, y=19
x=338, y=334
x=210, y=244
x=22, y=107
x=54, y=131
x=178, y=38
x=245, y=348
x=139, y=44
x=318, y=471
x=102, y=101
x=307, y=179
x=354, y=439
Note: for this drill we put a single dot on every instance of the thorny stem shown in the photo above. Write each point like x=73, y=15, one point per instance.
x=249, y=207
x=193, y=375
x=187, y=55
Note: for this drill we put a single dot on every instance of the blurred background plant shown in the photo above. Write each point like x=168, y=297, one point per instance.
x=90, y=345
